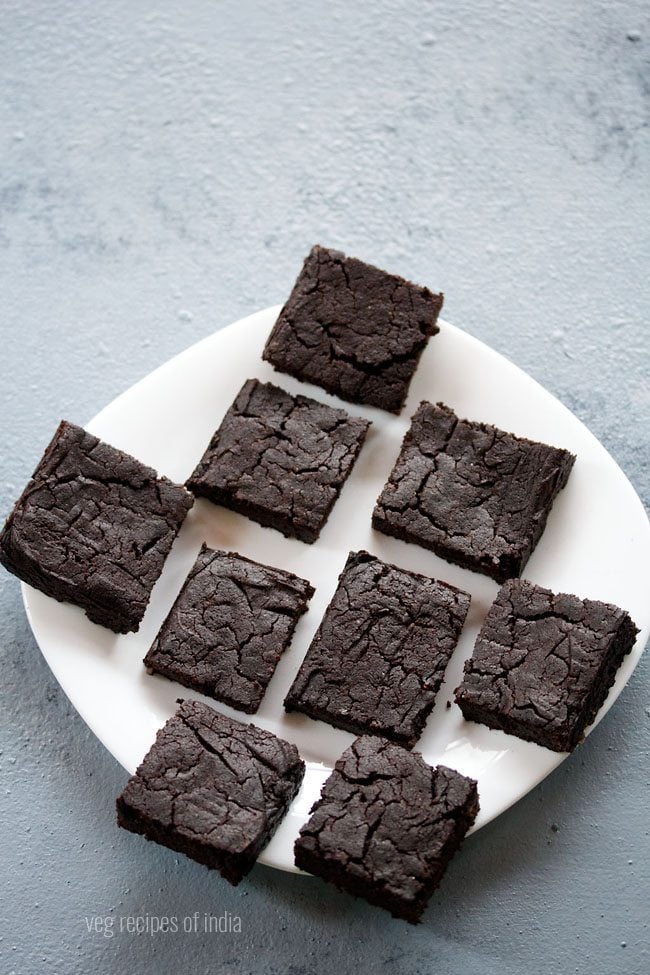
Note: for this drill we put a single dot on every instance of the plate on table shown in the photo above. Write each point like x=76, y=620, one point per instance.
x=596, y=544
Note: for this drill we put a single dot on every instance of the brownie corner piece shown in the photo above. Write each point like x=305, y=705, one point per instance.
x=543, y=664
x=472, y=493
x=93, y=527
x=386, y=826
x=379, y=656
x=281, y=460
x=229, y=625
x=353, y=329
x=212, y=788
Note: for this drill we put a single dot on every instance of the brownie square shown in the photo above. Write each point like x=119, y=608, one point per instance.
x=279, y=459
x=472, y=493
x=93, y=527
x=212, y=788
x=543, y=664
x=380, y=653
x=229, y=626
x=387, y=825
x=353, y=329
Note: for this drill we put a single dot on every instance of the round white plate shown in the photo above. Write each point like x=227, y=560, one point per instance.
x=596, y=544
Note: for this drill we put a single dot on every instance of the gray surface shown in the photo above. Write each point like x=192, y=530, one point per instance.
x=164, y=168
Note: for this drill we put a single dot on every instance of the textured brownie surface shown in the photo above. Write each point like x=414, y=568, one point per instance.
x=279, y=459
x=212, y=788
x=386, y=826
x=231, y=622
x=93, y=527
x=353, y=329
x=543, y=664
x=472, y=493
x=380, y=653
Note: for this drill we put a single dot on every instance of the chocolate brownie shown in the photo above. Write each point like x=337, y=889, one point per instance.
x=543, y=664
x=229, y=626
x=212, y=788
x=93, y=527
x=387, y=825
x=354, y=330
x=472, y=493
x=380, y=653
x=279, y=459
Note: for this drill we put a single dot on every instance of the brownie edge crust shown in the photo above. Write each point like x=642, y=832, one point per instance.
x=353, y=329
x=386, y=826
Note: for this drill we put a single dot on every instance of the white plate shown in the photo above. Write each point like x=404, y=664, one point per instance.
x=596, y=544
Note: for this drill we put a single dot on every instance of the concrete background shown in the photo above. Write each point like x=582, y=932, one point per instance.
x=163, y=170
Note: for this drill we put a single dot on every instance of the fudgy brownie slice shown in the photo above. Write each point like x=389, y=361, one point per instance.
x=543, y=664
x=279, y=459
x=93, y=527
x=212, y=788
x=387, y=825
x=353, y=329
x=380, y=653
x=472, y=493
x=229, y=626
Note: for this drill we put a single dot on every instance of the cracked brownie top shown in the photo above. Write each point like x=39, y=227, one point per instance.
x=212, y=788
x=386, y=826
x=543, y=664
x=279, y=459
x=472, y=493
x=353, y=329
x=380, y=653
x=228, y=627
x=93, y=527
